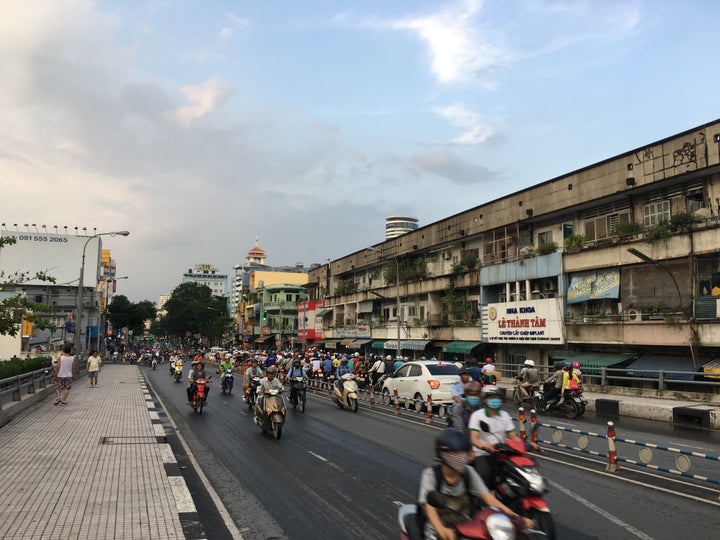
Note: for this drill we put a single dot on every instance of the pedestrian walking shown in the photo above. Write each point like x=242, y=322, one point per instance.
x=94, y=365
x=64, y=375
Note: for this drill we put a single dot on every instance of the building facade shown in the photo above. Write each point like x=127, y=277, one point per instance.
x=207, y=274
x=615, y=262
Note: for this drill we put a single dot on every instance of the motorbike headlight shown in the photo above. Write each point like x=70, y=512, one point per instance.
x=500, y=527
x=535, y=480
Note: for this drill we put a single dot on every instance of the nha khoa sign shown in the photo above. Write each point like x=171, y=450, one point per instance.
x=534, y=321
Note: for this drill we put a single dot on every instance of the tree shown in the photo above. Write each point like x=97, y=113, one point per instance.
x=193, y=309
x=16, y=308
x=123, y=313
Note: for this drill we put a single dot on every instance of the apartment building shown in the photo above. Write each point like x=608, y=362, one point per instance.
x=614, y=263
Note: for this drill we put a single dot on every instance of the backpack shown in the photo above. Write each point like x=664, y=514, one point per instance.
x=389, y=367
x=421, y=516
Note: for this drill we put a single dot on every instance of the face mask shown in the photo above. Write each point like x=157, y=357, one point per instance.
x=472, y=401
x=494, y=403
x=457, y=461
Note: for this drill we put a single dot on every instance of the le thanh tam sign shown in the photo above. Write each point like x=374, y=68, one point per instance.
x=534, y=321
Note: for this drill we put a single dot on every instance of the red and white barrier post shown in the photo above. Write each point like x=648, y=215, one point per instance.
x=521, y=423
x=428, y=418
x=397, y=401
x=612, y=465
x=533, y=430
x=372, y=396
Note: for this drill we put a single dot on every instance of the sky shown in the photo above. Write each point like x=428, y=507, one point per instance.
x=199, y=125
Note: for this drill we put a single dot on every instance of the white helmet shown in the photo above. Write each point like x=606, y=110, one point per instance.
x=530, y=363
x=388, y=357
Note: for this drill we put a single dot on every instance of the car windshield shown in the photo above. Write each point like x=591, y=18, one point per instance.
x=443, y=369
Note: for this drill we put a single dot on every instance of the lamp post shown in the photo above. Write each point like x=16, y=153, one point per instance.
x=646, y=258
x=78, y=299
x=397, y=293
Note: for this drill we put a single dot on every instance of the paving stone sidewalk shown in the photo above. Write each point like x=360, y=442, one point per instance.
x=91, y=469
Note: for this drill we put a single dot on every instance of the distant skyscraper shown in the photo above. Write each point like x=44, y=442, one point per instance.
x=399, y=225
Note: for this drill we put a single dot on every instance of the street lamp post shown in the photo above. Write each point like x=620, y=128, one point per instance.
x=397, y=293
x=646, y=258
x=78, y=299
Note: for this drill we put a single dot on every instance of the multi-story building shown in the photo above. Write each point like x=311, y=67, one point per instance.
x=278, y=317
x=609, y=263
x=207, y=274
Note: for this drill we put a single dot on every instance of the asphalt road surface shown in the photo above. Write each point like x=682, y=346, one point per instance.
x=341, y=475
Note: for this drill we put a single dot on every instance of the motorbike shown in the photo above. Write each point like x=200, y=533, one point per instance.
x=177, y=372
x=272, y=415
x=227, y=381
x=297, y=393
x=252, y=391
x=154, y=364
x=487, y=524
x=488, y=379
x=519, y=484
x=362, y=379
x=573, y=405
x=535, y=395
x=200, y=398
x=346, y=395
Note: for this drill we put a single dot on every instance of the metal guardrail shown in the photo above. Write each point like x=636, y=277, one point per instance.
x=13, y=388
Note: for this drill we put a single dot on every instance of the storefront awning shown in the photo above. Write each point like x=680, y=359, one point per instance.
x=359, y=343
x=323, y=312
x=414, y=344
x=378, y=345
x=262, y=339
x=648, y=366
x=347, y=341
x=331, y=343
x=591, y=362
x=461, y=347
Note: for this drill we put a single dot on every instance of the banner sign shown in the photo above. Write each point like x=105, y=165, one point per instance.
x=593, y=286
x=534, y=321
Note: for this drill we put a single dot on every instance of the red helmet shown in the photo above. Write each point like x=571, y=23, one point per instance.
x=488, y=360
x=576, y=365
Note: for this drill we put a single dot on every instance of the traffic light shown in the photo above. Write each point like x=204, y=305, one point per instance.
x=264, y=315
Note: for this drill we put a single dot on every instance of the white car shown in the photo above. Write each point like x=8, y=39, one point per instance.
x=416, y=380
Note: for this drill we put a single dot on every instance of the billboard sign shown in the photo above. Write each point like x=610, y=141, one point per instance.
x=533, y=321
x=59, y=255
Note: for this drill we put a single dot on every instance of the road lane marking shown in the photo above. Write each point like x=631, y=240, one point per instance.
x=317, y=456
x=607, y=515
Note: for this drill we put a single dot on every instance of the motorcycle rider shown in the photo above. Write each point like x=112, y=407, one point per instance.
x=457, y=390
x=295, y=371
x=227, y=363
x=487, y=370
x=267, y=383
x=567, y=377
x=458, y=482
x=177, y=364
x=527, y=377
x=556, y=379
x=460, y=417
x=341, y=370
x=501, y=427
x=253, y=370
x=197, y=371
x=377, y=370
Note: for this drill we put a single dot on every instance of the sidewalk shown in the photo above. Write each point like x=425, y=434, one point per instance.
x=680, y=412
x=94, y=468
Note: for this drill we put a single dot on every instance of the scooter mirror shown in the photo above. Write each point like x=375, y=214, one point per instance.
x=436, y=499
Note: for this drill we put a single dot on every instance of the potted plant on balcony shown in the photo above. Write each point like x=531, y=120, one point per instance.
x=546, y=248
x=574, y=242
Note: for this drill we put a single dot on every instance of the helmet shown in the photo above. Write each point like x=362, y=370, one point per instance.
x=567, y=365
x=530, y=363
x=491, y=391
x=388, y=357
x=199, y=363
x=192, y=364
x=464, y=370
x=356, y=354
x=343, y=360
x=488, y=360
x=271, y=370
x=473, y=387
x=576, y=365
x=452, y=440
x=296, y=361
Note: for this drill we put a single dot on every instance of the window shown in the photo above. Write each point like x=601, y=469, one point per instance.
x=411, y=311
x=655, y=212
x=695, y=201
x=443, y=369
x=545, y=237
x=403, y=371
x=415, y=371
x=603, y=226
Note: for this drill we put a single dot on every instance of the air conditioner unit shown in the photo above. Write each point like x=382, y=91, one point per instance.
x=634, y=315
x=549, y=285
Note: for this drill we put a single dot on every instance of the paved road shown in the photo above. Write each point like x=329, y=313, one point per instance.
x=335, y=474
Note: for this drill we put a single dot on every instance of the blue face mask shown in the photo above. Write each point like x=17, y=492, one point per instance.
x=494, y=403
x=472, y=401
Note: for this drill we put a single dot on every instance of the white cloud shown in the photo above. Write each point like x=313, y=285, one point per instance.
x=477, y=131
x=204, y=98
x=459, y=50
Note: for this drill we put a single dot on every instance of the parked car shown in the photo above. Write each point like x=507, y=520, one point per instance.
x=415, y=380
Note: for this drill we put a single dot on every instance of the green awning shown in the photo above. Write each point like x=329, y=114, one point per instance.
x=461, y=347
x=591, y=362
x=323, y=312
x=378, y=344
